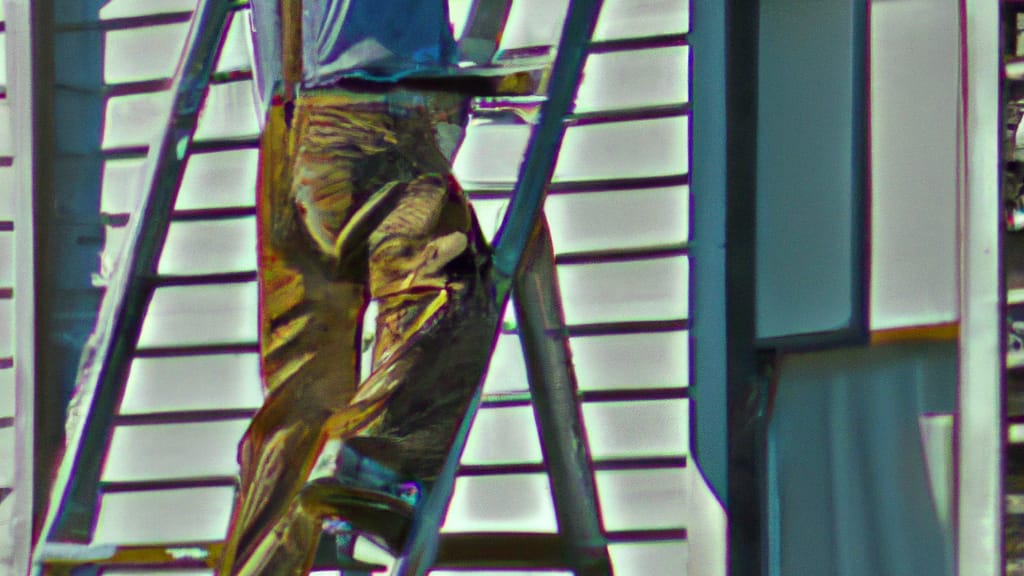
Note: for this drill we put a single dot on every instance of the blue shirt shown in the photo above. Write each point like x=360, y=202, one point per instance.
x=383, y=40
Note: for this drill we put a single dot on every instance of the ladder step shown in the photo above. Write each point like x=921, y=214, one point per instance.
x=173, y=555
x=382, y=515
x=58, y=555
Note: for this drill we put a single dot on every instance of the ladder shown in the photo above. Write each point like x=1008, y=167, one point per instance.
x=530, y=280
x=123, y=311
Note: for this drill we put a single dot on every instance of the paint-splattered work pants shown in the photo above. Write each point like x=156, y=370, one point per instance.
x=356, y=202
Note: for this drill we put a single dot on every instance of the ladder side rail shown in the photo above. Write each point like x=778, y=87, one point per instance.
x=542, y=152
x=554, y=389
x=515, y=232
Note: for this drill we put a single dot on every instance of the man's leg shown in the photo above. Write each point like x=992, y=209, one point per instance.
x=309, y=317
x=344, y=158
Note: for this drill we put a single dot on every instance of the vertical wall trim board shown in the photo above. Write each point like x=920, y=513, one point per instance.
x=979, y=504
x=708, y=277
x=20, y=88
